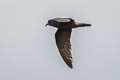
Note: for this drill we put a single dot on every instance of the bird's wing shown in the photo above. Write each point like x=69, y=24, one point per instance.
x=63, y=43
x=62, y=20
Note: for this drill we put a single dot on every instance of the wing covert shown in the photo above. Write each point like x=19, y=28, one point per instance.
x=62, y=20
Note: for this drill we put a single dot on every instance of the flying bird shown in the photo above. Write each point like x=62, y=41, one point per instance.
x=63, y=35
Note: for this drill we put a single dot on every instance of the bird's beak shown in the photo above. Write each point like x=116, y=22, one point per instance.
x=46, y=24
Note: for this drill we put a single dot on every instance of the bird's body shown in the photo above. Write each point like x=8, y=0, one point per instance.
x=63, y=35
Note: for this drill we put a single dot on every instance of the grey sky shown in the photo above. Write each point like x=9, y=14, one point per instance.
x=28, y=50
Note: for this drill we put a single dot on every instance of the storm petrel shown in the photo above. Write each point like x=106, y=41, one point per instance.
x=63, y=35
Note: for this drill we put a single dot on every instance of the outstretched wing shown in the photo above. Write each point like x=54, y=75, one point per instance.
x=63, y=43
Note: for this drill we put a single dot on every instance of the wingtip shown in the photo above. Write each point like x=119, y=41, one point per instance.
x=89, y=24
x=70, y=65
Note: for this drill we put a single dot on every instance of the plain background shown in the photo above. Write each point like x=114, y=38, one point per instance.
x=28, y=50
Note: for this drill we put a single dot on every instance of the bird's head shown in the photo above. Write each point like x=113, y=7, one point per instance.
x=51, y=22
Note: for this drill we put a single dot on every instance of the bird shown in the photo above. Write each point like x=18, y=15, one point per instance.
x=63, y=34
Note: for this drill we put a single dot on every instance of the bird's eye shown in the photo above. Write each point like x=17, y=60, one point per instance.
x=50, y=22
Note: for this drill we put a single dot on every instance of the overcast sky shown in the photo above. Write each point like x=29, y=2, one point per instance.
x=28, y=50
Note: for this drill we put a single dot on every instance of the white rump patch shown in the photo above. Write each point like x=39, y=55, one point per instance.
x=77, y=22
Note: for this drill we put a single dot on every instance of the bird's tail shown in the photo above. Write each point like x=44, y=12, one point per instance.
x=82, y=25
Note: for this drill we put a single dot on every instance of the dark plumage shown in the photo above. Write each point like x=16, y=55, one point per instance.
x=63, y=35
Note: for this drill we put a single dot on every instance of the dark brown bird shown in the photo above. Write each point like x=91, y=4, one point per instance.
x=63, y=35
